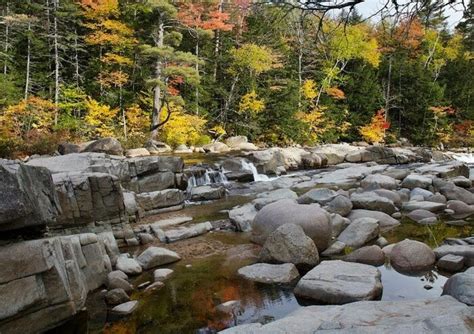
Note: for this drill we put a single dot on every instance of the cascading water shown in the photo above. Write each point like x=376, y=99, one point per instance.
x=207, y=177
x=466, y=157
x=256, y=176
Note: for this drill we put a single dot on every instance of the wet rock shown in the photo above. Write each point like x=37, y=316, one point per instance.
x=125, y=308
x=243, y=216
x=416, y=181
x=270, y=273
x=372, y=201
x=461, y=287
x=106, y=145
x=161, y=275
x=207, y=193
x=420, y=214
x=424, y=205
x=128, y=266
x=339, y=282
x=371, y=255
x=116, y=296
x=466, y=251
x=337, y=247
x=273, y=196
x=411, y=256
x=235, y=170
x=376, y=181
x=386, y=222
x=289, y=244
x=313, y=220
x=451, y=263
x=319, y=195
x=157, y=256
x=359, y=232
x=340, y=205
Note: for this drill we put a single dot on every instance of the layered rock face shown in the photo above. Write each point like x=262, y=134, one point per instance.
x=46, y=281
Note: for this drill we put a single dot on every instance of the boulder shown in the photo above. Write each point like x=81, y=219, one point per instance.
x=424, y=205
x=137, y=152
x=157, y=147
x=466, y=251
x=240, y=143
x=319, y=195
x=391, y=195
x=28, y=197
x=216, y=147
x=338, y=224
x=420, y=214
x=376, y=181
x=420, y=192
x=336, y=248
x=372, y=201
x=68, y=148
x=340, y=205
x=273, y=196
x=207, y=193
x=235, y=170
x=386, y=222
x=270, y=273
x=116, y=296
x=339, y=282
x=461, y=209
x=117, y=274
x=125, y=308
x=186, y=232
x=411, y=256
x=183, y=149
x=156, y=256
x=397, y=173
x=399, y=316
x=359, y=232
x=451, y=263
x=156, y=200
x=128, y=266
x=416, y=181
x=461, y=287
x=289, y=244
x=462, y=181
x=452, y=192
x=313, y=220
x=161, y=275
x=371, y=255
x=243, y=216
x=105, y=145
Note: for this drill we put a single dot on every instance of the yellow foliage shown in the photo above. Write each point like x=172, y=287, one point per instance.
x=316, y=122
x=309, y=90
x=218, y=130
x=336, y=93
x=116, y=59
x=182, y=128
x=100, y=118
x=138, y=121
x=33, y=113
x=374, y=132
x=250, y=103
x=256, y=59
x=113, y=79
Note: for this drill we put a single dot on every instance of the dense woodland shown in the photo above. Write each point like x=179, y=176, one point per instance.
x=189, y=72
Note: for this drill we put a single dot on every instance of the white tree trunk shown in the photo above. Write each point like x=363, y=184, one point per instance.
x=157, y=100
x=28, y=62
x=7, y=35
x=56, y=60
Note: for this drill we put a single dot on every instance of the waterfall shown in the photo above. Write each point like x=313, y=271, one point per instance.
x=209, y=176
x=251, y=167
x=466, y=157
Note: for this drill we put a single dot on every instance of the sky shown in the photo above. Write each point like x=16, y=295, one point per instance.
x=369, y=7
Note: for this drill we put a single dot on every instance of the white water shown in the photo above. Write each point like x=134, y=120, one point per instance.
x=209, y=177
x=256, y=176
x=466, y=157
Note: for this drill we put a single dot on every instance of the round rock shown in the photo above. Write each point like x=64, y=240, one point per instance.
x=411, y=256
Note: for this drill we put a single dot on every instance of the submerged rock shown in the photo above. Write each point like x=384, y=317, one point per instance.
x=289, y=244
x=270, y=273
x=339, y=282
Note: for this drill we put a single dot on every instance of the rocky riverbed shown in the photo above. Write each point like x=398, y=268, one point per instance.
x=243, y=239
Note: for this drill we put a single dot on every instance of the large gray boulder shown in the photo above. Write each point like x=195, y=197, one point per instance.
x=27, y=197
x=339, y=282
x=411, y=256
x=372, y=201
x=386, y=222
x=273, y=196
x=419, y=215
x=461, y=287
x=270, y=273
x=289, y=244
x=423, y=205
x=207, y=193
x=461, y=209
x=105, y=145
x=313, y=220
x=376, y=181
x=157, y=256
x=453, y=192
x=359, y=232
x=400, y=316
x=128, y=265
x=466, y=251
x=242, y=216
x=340, y=205
x=156, y=200
x=416, y=181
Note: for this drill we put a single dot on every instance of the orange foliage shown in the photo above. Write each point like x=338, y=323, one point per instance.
x=336, y=93
x=197, y=16
x=409, y=34
x=374, y=132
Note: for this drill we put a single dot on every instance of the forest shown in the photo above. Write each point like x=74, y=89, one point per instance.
x=189, y=72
